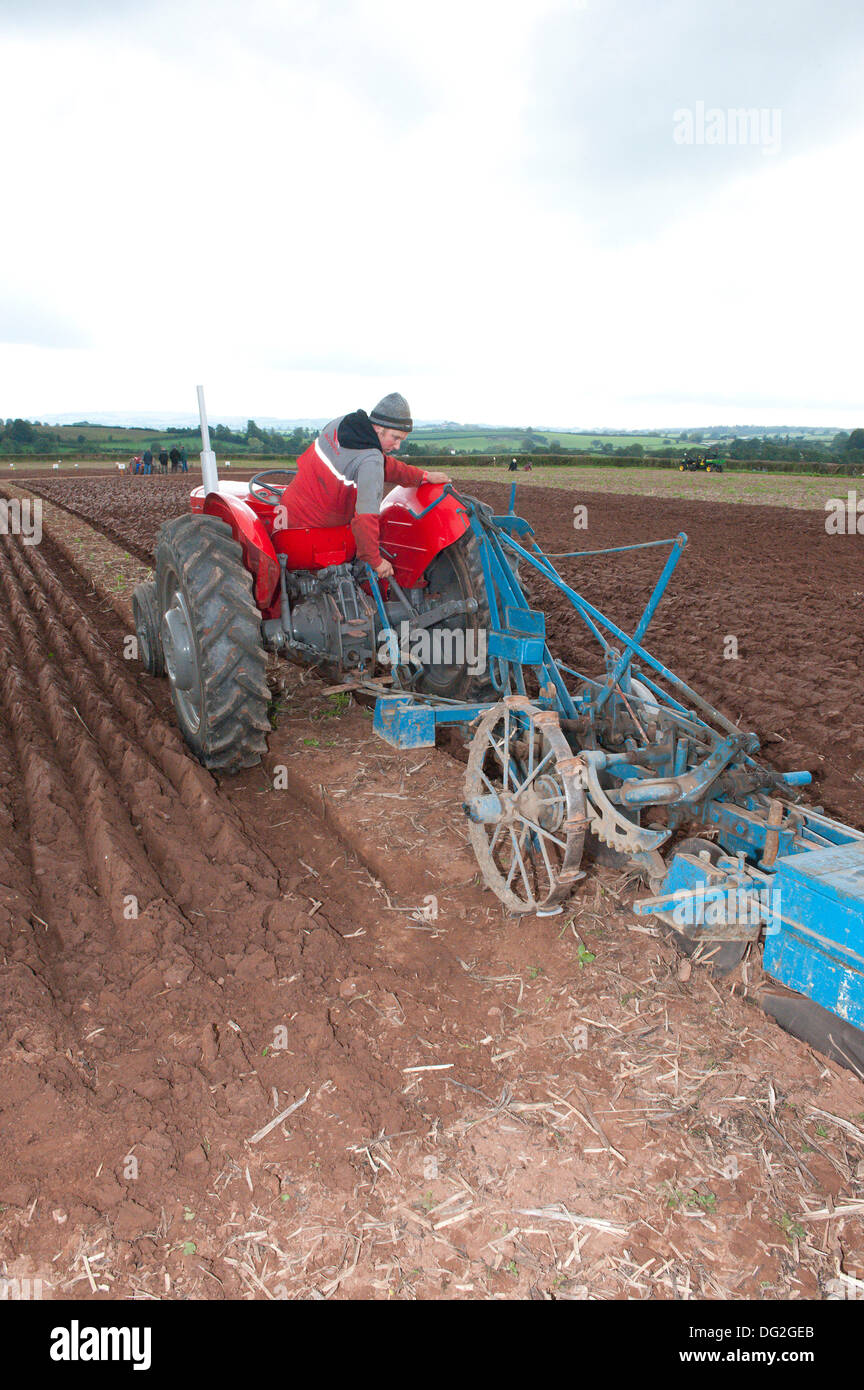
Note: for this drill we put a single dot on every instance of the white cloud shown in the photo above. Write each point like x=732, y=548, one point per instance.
x=308, y=205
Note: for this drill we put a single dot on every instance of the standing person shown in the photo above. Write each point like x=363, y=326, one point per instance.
x=163, y=459
x=147, y=461
x=175, y=458
x=184, y=465
x=341, y=476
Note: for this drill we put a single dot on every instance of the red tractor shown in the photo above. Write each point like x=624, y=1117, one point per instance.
x=233, y=583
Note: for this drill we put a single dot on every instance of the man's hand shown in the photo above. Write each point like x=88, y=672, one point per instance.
x=437, y=478
x=384, y=570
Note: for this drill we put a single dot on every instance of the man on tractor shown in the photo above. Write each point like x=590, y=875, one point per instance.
x=341, y=476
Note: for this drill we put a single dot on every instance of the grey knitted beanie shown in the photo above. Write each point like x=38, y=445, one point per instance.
x=393, y=413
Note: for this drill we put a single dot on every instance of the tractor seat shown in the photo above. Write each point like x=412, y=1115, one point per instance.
x=315, y=547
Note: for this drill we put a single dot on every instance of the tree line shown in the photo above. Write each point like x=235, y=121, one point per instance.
x=845, y=447
x=24, y=437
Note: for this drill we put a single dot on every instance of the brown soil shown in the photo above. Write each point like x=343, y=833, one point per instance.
x=485, y=1108
x=792, y=596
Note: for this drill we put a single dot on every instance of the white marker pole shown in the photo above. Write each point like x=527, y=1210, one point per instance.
x=208, y=458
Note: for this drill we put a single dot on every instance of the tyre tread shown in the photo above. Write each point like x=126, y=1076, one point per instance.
x=209, y=563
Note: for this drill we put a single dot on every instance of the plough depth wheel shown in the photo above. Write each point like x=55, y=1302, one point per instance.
x=525, y=807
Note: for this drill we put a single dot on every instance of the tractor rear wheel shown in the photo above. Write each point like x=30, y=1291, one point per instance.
x=211, y=638
x=457, y=574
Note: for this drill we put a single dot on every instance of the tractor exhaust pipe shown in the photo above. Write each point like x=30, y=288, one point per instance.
x=208, y=458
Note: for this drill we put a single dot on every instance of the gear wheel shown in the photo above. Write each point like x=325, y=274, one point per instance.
x=607, y=822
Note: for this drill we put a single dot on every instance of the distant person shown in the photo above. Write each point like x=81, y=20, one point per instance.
x=528, y=466
x=184, y=464
x=163, y=459
x=175, y=458
x=512, y=466
x=147, y=461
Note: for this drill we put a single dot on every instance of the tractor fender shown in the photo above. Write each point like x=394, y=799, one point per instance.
x=416, y=524
x=259, y=556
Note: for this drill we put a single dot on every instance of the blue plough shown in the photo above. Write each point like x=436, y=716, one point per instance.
x=616, y=765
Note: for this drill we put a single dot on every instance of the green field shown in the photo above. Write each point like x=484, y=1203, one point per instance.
x=247, y=463
x=766, y=489
x=514, y=440
x=477, y=440
x=112, y=442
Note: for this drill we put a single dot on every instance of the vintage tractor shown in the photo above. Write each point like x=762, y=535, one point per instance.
x=622, y=761
x=232, y=584
x=696, y=461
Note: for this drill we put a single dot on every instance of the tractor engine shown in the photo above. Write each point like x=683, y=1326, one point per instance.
x=325, y=612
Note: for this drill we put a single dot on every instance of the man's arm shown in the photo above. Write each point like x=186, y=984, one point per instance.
x=400, y=474
x=366, y=524
x=371, y=477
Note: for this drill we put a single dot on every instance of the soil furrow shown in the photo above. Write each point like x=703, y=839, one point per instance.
x=436, y=1056
x=93, y=514
x=193, y=785
x=118, y=865
x=59, y=857
x=190, y=876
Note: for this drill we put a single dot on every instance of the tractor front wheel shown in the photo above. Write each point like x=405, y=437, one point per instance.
x=211, y=639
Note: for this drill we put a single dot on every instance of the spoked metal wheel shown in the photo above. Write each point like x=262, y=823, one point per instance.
x=525, y=807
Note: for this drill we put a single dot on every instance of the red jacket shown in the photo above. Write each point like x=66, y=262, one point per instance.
x=340, y=480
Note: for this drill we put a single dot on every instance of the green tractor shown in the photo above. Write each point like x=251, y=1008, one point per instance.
x=698, y=461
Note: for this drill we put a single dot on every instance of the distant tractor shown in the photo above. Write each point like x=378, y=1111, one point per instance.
x=697, y=461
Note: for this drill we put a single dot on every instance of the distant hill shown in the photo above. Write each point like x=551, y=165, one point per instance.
x=108, y=435
x=168, y=420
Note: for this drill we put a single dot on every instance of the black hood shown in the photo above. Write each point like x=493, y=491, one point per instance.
x=356, y=432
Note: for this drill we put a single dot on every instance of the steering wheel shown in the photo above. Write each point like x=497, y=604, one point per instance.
x=265, y=492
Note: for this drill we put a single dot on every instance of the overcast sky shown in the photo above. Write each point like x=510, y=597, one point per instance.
x=513, y=211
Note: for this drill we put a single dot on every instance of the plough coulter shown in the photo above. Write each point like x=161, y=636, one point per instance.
x=621, y=762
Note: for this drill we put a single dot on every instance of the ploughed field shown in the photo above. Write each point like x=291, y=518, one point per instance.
x=243, y=1051
x=790, y=595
